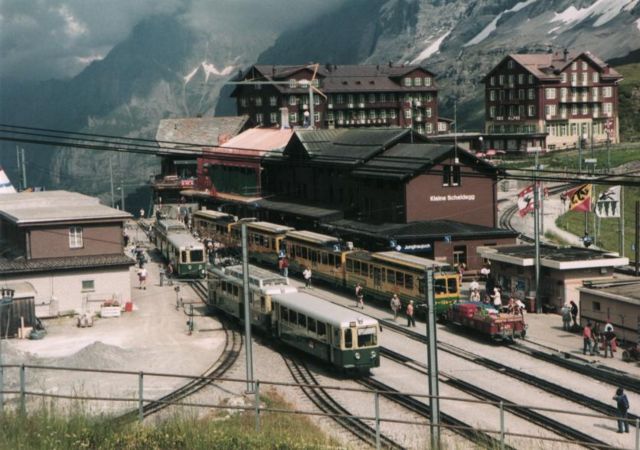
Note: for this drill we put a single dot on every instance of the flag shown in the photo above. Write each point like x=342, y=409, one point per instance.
x=580, y=198
x=525, y=201
x=608, y=203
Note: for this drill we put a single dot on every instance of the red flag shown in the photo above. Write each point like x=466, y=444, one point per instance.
x=525, y=201
x=580, y=198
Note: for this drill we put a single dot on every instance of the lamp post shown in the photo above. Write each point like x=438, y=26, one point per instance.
x=6, y=300
x=121, y=189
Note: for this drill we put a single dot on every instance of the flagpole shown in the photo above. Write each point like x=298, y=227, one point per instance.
x=622, y=221
x=536, y=222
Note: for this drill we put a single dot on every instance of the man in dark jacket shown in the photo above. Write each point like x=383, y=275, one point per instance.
x=622, y=406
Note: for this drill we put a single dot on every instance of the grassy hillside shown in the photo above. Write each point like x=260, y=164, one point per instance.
x=630, y=102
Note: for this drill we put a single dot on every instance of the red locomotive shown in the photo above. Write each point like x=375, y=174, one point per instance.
x=498, y=325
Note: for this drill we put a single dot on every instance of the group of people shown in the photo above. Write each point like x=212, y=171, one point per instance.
x=593, y=340
x=569, y=313
x=493, y=296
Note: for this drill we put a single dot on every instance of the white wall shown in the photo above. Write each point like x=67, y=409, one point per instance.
x=61, y=292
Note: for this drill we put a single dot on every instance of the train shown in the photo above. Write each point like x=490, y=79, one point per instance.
x=345, y=339
x=176, y=244
x=381, y=274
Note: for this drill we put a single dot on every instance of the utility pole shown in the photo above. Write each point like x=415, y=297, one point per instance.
x=111, y=179
x=536, y=220
x=621, y=221
x=247, y=311
x=637, y=250
x=432, y=359
x=24, y=171
x=579, y=152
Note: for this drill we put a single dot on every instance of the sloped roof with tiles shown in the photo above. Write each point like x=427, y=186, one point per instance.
x=197, y=132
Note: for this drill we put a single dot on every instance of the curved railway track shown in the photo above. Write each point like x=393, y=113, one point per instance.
x=228, y=357
x=412, y=404
x=327, y=404
x=482, y=394
x=527, y=378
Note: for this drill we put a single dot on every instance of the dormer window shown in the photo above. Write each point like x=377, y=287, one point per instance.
x=407, y=82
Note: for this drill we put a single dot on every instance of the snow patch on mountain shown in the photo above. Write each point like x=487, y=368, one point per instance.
x=605, y=10
x=432, y=49
x=209, y=69
x=494, y=23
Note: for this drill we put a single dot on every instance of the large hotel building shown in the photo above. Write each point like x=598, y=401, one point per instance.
x=551, y=101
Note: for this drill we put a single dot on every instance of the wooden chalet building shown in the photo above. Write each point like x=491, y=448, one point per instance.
x=343, y=96
x=550, y=101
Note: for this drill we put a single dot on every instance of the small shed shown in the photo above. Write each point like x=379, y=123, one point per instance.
x=20, y=312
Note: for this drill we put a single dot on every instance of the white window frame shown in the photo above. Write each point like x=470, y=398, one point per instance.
x=520, y=78
x=550, y=93
x=75, y=237
x=407, y=81
x=259, y=118
x=273, y=100
x=607, y=91
x=531, y=94
x=417, y=81
x=407, y=114
x=258, y=101
x=273, y=117
x=293, y=117
x=595, y=77
x=427, y=81
x=293, y=100
x=563, y=77
x=88, y=288
x=531, y=110
x=492, y=112
x=372, y=98
x=492, y=95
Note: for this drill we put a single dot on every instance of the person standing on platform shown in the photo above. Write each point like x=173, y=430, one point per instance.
x=586, y=339
x=609, y=342
x=359, y=292
x=170, y=274
x=395, y=306
x=285, y=266
x=142, y=278
x=306, y=274
x=566, y=317
x=497, y=299
x=474, y=285
x=574, y=313
x=411, y=321
x=622, y=406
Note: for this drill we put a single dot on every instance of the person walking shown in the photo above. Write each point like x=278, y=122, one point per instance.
x=574, y=313
x=566, y=317
x=395, y=306
x=170, y=274
x=586, y=339
x=622, y=406
x=142, y=278
x=359, y=296
x=306, y=274
x=285, y=267
x=411, y=321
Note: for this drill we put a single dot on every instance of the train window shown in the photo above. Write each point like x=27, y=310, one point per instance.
x=304, y=252
x=293, y=316
x=313, y=255
x=356, y=267
x=440, y=286
x=452, y=285
x=348, y=338
x=236, y=291
x=311, y=325
x=224, y=286
x=408, y=282
x=325, y=258
x=400, y=278
x=349, y=265
x=391, y=276
x=322, y=329
x=367, y=336
x=366, y=270
x=302, y=320
x=420, y=286
x=183, y=256
x=336, y=337
x=197, y=256
x=273, y=244
x=298, y=250
x=284, y=314
x=336, y=260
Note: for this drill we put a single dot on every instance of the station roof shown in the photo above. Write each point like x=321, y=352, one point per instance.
x=559, y=258
x=403, y=160
x=624, y=291
x=44, y=207
x=429, y=229
x=193, y=133
x=298, y=209
x=18, y=266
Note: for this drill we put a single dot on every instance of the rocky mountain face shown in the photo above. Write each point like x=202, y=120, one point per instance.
x=168, y=67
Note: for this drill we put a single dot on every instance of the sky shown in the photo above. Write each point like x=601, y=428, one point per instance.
x=53, y=39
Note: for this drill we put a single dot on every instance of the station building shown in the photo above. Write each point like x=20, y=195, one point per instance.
x=617, y=302
x=67, y=246
x=562, y=271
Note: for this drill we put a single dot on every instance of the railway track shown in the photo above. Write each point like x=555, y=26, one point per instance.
x=482, y=394
x=527, y=378
x=228, y=357
x=327, y=404
x=412, y=404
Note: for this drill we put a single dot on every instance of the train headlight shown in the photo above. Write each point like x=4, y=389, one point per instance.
x=373, y=354
x=357, y=355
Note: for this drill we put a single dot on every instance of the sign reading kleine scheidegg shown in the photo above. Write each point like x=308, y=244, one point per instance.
x=452, y=198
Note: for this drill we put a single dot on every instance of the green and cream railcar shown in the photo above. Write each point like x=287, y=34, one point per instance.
x=162, y=228
x=264, y=241
x=342, y=337
x=382, y=274
x=324, y=254
x=226, y=293
x=186, y=253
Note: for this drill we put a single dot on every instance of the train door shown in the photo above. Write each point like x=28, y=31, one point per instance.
x=377, y=277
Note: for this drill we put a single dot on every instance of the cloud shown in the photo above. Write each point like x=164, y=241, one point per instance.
x=45, y=39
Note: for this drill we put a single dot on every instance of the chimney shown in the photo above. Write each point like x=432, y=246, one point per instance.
x=566, y=54
x=284, y=118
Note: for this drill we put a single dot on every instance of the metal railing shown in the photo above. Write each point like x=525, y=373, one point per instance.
x=20, y=396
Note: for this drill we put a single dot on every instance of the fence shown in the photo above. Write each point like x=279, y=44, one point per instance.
x=22, y=393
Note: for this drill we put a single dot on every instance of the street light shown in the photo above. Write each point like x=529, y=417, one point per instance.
x=6, y=300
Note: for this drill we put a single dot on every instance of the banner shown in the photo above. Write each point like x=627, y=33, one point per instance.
x=580, y=198
x=608, y=203
x=525, y=201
